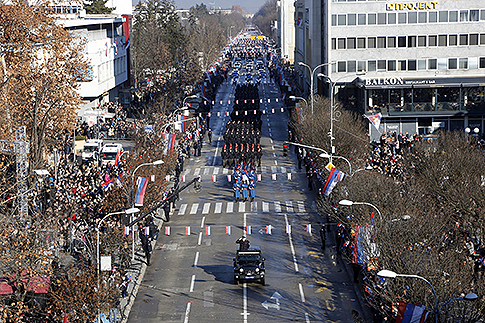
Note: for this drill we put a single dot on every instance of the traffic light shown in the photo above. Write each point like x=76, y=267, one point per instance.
x=285, y=149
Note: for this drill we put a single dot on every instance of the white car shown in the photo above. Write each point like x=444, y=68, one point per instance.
x=91, y=149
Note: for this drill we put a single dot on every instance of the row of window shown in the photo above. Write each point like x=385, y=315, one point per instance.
x=408, y=41
x=409, y=65
x=413, y=17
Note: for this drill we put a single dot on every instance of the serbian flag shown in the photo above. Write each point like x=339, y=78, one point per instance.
x=65, y=316
x=106, y=185
x=409, y=313
x=171, y=141
x=334, y=177
x=375, y=120
x=140, y=192
x=117, y=159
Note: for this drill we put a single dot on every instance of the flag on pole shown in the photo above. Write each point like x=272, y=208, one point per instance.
x=127, y=231
x=228, y=178
x=288, y=228
x=208, y=230
x=183, y=178
x=273, y=177
x=259, y=177
x=167, y=231
x=334, y=177
x=106, y=185
x=409, y=313
x=65, y=316
x=309, y=229
x=228, y=230
x=289, y=176
x=147, y=231
x=375, y=120
x=187, y=231
x=140, y=192
x=248, y=230
x=117, y=158
x=268, y=229
x=214, y=178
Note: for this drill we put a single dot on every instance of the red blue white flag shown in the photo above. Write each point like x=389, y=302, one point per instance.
x=140, y=192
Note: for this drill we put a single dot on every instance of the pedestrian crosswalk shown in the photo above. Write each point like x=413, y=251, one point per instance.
x=242, y=207
x=211, y=170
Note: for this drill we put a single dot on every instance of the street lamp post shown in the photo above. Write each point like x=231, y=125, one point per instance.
x=350, y=203
x=306, y=146
x=188, y=97
x=128, y=211
x=312, y=72
x=390, y=274
x=340, y=157
x=157, y=162
x=292, y=97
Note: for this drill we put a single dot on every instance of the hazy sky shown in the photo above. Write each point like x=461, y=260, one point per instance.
x=248, y=5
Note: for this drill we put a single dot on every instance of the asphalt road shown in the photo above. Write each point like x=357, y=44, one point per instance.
x=191, y=276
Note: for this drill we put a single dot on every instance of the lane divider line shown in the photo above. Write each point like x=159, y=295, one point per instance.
x=307, y=318
x=196, y=260
x=187, y=312
x=245, y=303
x=202, y=222
x=291, y=245
x=301, y=293
x=192, y=283
x=200, y=238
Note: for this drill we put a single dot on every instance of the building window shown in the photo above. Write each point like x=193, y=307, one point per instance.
x=463, y=15
x=334, y=43
x=433, y=16
x=482, y=14
x=391, y=42
x=482, y=62
x=464, y=39
x=381, y=18
x=482, y=39
x=443, y=16
x=421, y=64
x=371, y=19
x=411, y=65
x=391, y=18
x=381, y=42
x=351, y=66
x=391, y=66
x=452, y=63
x=350, y=43
x=432, y=63
x=381, y=65
x=442, y=40
x=401, y=18
x=342, y=67
x=463, y=63
x=334, y=20
x=412, y=17
x=473, y=63
x=453, y=17
x=474, y=15
x=360, y=42
x=453, y=40
x=421, y=41
x=473, y=39
x=411, y=41
x=372, y=66
x=341, y=43
x=401, y=65
x=361, y=66
x=362, y=18
x=352, y=19
x=371, y=42
x=432, y=40
x=342, y=20
x=423, y=17
x=401, y=41
x=442, y=63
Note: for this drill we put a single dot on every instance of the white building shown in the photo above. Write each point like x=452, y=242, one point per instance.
x=424, y=61
x=286, y=28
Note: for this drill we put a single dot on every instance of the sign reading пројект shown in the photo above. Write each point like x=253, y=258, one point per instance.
x=424, y=5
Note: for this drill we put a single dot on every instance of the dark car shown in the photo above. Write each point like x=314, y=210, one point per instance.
x=249, y=266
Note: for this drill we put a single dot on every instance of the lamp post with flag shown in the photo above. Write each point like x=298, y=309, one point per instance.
x=157, y=162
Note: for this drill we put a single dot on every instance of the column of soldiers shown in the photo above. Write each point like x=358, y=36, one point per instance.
x=243, y=132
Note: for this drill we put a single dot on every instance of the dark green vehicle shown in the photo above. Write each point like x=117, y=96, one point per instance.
x=249, y=266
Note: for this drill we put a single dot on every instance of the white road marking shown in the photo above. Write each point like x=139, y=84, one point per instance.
x=206, y=171
x=276, y=162
x=215, y=153
x=273, y=169
x=291, y=246
x=307, y=318
x=183, y=208
x=194, y=208
x=242, y=207
x=272, y=147
x=196, y=171
x=277, y=206
x=216, y=171
x=283, y=170
x=200, y=238
x=289, y=206
x=245, y=303
x=301, y=206
x=265, y=207
x=218, y=208
x=301, y=293
x=225, y=171
x=274, y=155
x=202, y=222
x=263, y=169
x=271, y=140
x=206, y=208
x=196, y=260
x=192, y=283
x=230, y=207
x=254, y=206
x=187, y=312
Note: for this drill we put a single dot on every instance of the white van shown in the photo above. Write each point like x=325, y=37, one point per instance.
x=91, y=149
x=109, y=152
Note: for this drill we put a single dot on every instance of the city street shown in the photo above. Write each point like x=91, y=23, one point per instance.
x=191, y=276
